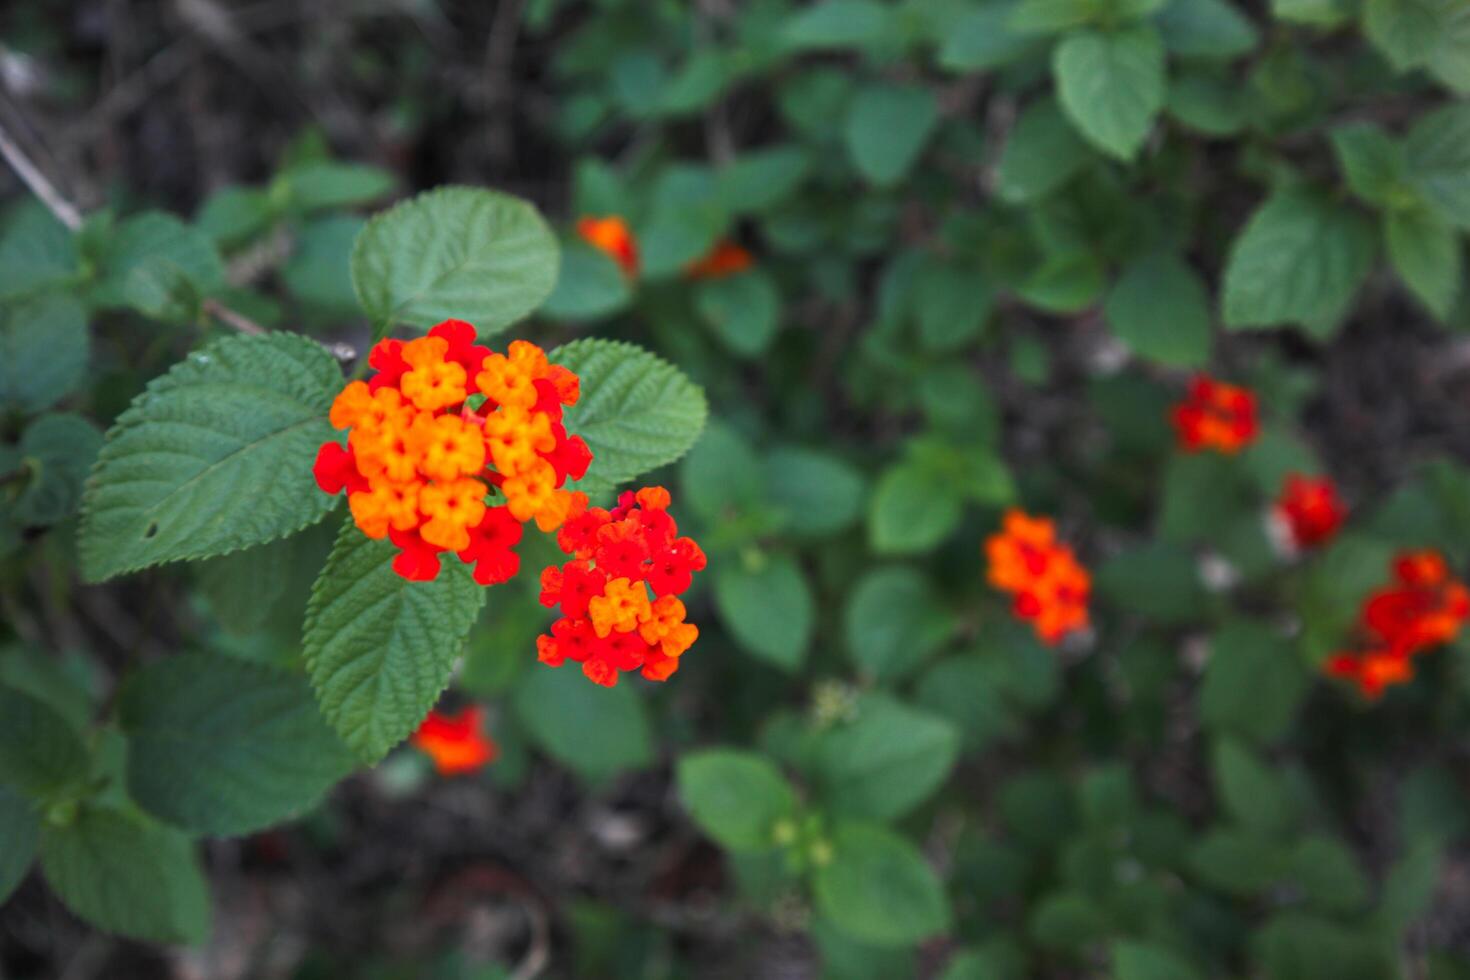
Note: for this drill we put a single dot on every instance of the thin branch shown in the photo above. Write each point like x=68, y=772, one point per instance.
x=64, y=210
x=231, y=318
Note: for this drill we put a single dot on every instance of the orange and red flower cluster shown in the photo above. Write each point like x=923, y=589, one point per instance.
x=619, y=593
x=421, y=456
x=613, y=237
x=1310, y=510
x=1423, y=607
x=726, y=259
x=457, y=743
x=1215, y=415
x=1050, y=586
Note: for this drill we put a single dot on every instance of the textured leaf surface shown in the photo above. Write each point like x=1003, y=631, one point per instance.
x=214, y=456
x=43, y=351
x=378, y=647
x=878, y=888
x=127, y=875
x=224, y=746
x=1111, y=85
x=152, y=239
x=735, y=797
x=456, y=252
x=1437, y=152
x=1426, y=254
x=637, y=411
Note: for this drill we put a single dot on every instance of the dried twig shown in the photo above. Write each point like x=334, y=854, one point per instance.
x=58, y=205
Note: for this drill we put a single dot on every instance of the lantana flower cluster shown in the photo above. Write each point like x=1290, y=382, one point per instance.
x=1422, y=608
x=611, y=235
x=1050, y=587
x=1215, y=416
x=456, y=743
x=619, y=593
x=442, y=422
x=1310, y=510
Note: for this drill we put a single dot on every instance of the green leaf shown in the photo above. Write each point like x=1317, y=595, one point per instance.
x=44, y=348
x=56, y=452
x=735, y=797
x=759, y=179
x=839, y=24
x=1371, y=160
x=1158, y=581
x=1426, y=254
x=887, y=760
x=818, y=494
x=243, y=587
x=319, y=271
x=62, y=683
x=744, y=311
x=1050, y=16
x=1408, y=890
x=1293, y=946
x=1433, y=34
x=1328, y=874
x=1206, y=29
x=19, y=829
x=321, y=184
x=1141, y=961
x=127, y=875
x=688, y=217
x=768, y=608
x=215, y=456
x=887, y=127
x=222, y=746
x=379, y=648
x=1437, y=152
x=1237, y=862
x=142, y=241
x=893, y=621
x=1252, y=793
x=879, y=889
x=1161, y=309
x=454, y=253
x=1208, y=103
x=1067, y=921
x=983, y=39
x=965, y=690
x=952, y=302
x=720, y=478
x=232, y=215
x=1066, y=282
x=37, y=252
x=914, y=507
x=1319, y=13
x=1253, y=684
x=589, y=285
x=1299, y=260
x=1042, y=153
x=40, y=754
x=637, y=412
x=1111, y=85
x=595, y=731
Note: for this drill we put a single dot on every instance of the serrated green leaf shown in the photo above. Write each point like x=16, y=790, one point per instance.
x=454, y=253
x=321, y=184
x=1161, y=309
x=379, y=648
x=217, y=745
x=1111, y=85
x=56, y=451
x=894, y=621
x=1432, y=34
x=887, y=760
x=887, y=127
x=40, y=754
x=37, y=252
x=743, y=310
x=1371, y=160
x=637, y=412
x=769, y=608
x=44, y=348
x=127, y=875
x=19, y=829
x=1299, y=259
x=879, y=889
x=1437, y=151
x=735, y=797
x=1426, y=254
x=595, y=731
x=215, y=456
x=1042, y=152
x=151, y=238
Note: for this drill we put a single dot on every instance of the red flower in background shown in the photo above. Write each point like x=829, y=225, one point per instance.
x=618, y=594
x=1215, y=415
x=1424, y=607
x=457, y=743
x=1311, y=510
x=726, y=259
x=613, y=237
x=1051, y=588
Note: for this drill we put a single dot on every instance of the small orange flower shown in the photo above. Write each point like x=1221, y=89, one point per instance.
x=1217, y=416
x=612, y=236
x=1310, y=509
x=726, y=259
x=1050, y=587
x=457, y=743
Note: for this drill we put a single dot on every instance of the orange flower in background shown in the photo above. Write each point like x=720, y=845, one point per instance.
x=457, y=743
x=1215, y=415
x=1050, y=587
x=612, y=236
x=609, y=623
x=1424, y=607
x=1310, y=509
x=420, y=463
x=726, y=259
